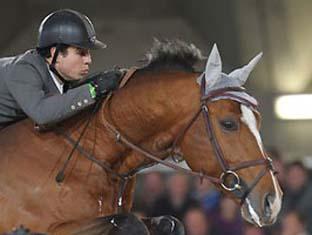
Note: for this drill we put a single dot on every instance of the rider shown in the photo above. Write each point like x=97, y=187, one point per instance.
x=42, y=82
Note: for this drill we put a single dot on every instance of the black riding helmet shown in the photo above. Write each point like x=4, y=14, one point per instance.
x=68, y=27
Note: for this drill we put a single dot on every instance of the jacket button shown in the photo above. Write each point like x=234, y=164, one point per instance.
x=85, y=101
x=79, y=104
x=73, y=107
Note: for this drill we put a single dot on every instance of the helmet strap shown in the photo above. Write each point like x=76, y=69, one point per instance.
x=66, y=84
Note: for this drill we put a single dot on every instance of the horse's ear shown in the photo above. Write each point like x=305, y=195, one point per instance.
x=213, y=67
x=242, y=74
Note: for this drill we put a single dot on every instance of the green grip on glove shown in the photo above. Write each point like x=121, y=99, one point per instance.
x=92, y=91
x=100, y=84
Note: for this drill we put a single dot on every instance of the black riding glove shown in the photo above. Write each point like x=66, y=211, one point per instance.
x=104, y=82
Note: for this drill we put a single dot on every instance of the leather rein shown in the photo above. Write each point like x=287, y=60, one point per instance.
x=229, y=180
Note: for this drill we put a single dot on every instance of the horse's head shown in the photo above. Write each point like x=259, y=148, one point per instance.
x=223, y=141
x=209, y=119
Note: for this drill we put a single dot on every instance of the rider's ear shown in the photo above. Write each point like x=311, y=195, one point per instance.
x=52, y=51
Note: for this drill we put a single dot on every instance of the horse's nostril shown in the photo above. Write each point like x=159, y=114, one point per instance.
x=268, y=201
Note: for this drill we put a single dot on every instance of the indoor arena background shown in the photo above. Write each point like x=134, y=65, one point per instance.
x=282, y=29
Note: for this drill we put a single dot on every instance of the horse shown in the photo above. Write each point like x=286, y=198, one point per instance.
x=61, y=180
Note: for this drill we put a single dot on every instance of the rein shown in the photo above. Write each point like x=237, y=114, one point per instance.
x=235, y=186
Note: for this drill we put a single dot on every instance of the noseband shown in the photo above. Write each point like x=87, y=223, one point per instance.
x=229, y=179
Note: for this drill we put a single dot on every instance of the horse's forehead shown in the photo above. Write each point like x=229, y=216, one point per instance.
x=226, y=106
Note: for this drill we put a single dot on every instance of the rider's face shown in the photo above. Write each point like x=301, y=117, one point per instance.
x=74, y=64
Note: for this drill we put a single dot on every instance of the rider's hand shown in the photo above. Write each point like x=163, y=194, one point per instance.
x=104, y=82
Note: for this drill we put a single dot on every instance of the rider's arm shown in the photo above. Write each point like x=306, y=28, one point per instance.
x=27, y=87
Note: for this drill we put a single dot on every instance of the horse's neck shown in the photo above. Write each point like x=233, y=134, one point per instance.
x=151, y=111
x=153, y=99
x=96, y=139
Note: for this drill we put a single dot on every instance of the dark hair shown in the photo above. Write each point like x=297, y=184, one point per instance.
x=296, y=163
x=274, y=153
x=45, y=51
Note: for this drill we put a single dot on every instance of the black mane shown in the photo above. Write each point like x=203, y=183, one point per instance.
x=175, y=54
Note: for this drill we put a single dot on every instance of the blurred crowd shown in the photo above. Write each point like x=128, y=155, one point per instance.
x=205, y=211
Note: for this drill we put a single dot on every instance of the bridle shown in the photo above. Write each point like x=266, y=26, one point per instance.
x=229, y=180
x=229, y=172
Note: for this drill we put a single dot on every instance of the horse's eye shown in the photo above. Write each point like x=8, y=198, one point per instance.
x=229, y=125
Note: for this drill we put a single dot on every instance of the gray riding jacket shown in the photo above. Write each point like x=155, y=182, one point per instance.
x=27, y=90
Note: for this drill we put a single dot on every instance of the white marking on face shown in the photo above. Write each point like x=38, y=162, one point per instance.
x=249, y=119
x=253, y=213
x=277, y=203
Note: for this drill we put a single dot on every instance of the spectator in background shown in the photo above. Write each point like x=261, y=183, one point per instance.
x=153, y=188
x=278, y=163
x=228, y=220
x=196, y=222
x=207, y=196
x=279, y=166
x=293, y=224
x=298, y=192
x=177, y=200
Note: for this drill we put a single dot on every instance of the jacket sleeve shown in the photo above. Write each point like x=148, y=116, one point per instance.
x=27, y=88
